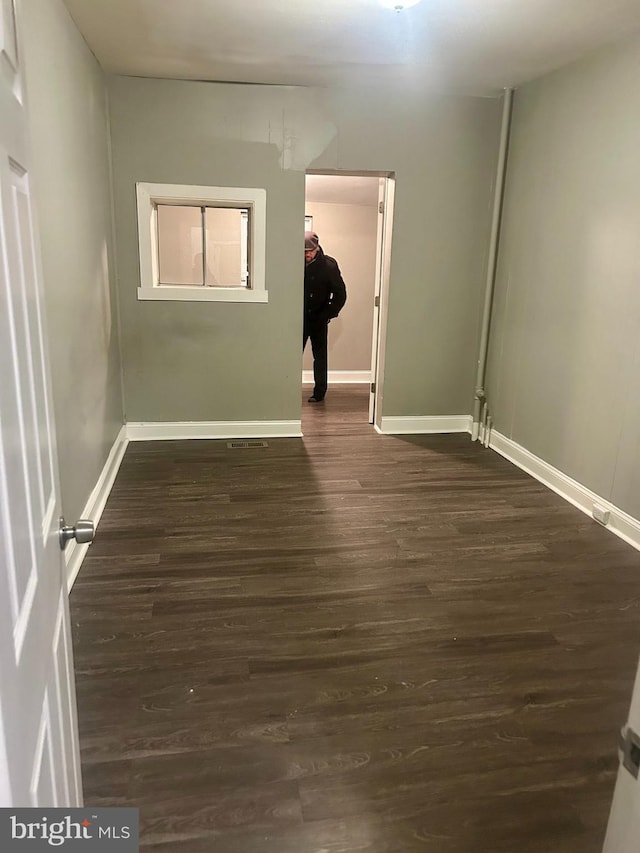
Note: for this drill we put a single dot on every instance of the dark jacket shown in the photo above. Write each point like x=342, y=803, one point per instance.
x=324, y=290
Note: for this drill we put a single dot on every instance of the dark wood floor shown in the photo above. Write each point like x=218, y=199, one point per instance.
x=352, y=642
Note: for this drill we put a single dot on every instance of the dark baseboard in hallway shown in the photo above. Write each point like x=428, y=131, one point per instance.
x=352, y=643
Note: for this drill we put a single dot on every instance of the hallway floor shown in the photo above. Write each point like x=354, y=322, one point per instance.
x=352, y=643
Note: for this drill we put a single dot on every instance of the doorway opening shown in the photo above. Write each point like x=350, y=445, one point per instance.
x=352, y=214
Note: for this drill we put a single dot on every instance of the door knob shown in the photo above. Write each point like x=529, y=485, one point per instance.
x=83, y=532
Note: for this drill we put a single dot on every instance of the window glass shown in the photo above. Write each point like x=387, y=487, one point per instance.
x=226, y=247
x=179, y=244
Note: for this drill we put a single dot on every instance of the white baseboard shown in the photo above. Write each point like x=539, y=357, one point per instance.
x=74, y=554
x=167, y=431
x=620, y=523
x=340, y=377
x=425, y=424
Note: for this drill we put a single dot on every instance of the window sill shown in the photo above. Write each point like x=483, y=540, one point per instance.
x=202, y=294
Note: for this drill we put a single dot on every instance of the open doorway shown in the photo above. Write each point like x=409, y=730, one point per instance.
x=352, y=214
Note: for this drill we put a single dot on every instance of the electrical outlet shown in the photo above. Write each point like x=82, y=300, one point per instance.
x=601, y=514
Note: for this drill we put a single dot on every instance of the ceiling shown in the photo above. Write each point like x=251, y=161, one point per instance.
x=342, y=189
x=474, y=46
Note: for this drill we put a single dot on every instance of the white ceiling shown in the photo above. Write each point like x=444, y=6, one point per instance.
x=475, y=46
x=342, y=189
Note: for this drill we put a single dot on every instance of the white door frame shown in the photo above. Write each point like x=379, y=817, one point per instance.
x=386, y=198
x=382, y=197
x=384, y=234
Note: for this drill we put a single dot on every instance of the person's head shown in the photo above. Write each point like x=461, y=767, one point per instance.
x=311, y=246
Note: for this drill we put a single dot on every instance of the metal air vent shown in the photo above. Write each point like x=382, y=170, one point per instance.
x=242, y=445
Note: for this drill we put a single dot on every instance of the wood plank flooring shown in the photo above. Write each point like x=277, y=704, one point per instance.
x=352, y=643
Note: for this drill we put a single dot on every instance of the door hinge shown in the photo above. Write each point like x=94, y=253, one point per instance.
x=630, y=751
x=376, y=302
x=373, y=387
x=381, y=207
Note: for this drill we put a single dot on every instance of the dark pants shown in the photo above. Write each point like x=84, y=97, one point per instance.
x=318, y=334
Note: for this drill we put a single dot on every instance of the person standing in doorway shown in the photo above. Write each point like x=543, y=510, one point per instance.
x=324, y=297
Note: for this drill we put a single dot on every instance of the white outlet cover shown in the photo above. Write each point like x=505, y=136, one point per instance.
x=601, y=514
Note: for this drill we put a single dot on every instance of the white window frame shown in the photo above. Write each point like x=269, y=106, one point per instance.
x=150, y=195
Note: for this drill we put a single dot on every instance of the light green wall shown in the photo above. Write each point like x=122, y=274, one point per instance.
x=443, y=151
x=564, y=367
x=67, y=102
x=221, y=361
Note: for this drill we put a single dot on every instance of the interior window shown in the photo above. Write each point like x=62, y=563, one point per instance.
x=201, y=243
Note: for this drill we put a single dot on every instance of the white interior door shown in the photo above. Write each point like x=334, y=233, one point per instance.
x=623, y=832
x=39, y=757
x=386, y=189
